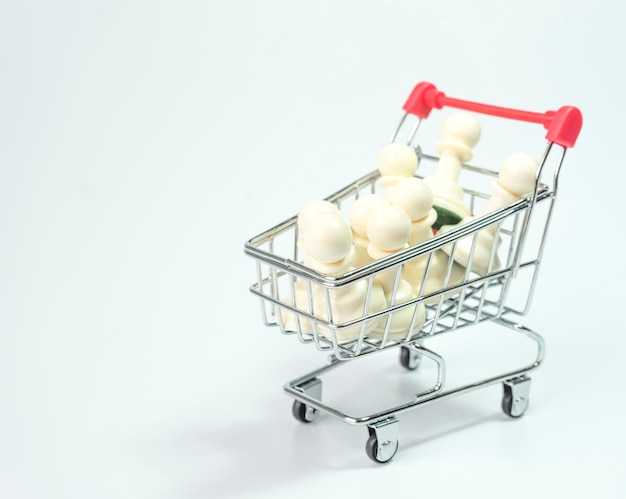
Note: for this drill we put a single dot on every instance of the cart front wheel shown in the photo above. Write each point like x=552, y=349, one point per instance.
x=380, y=453
x=382, y=444
x=303, y=413
x=515, y=397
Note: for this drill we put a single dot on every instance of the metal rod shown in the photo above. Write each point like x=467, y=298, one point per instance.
x=421, y=400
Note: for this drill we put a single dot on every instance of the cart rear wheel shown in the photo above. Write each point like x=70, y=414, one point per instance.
x=409, y=359
x=372, y=449
x=303, y=412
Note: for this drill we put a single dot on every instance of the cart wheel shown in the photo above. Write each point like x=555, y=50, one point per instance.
x=382, y=444
x=409, y=359
x=515, y=397
x=372, y=450
x=303, y=412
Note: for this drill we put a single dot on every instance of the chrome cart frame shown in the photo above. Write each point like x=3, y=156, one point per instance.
x=521, y=229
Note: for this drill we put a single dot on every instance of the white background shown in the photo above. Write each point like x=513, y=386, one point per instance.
x=141, y=144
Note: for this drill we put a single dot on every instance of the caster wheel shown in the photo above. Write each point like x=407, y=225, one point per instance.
x=380, y=454
x=515, y=397
x=409, y=359
x=303, y=412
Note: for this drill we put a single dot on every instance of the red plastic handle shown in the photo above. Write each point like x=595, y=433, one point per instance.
x=563, y=125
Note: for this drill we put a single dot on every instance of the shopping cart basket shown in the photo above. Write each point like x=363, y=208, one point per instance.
x=520, y=229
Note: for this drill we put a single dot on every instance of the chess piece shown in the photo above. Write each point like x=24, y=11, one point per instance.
x=460, y=133
x=415, y=198
x=396, y=161
x=389, y=229
x=311, y=212
x=359, y=213
x=308, y=215
x=327, y=240
x=516, y=179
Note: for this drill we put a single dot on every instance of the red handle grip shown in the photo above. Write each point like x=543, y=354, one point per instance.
x=563, y=125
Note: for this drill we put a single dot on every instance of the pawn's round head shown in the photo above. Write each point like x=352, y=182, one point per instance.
x=462, y=127
x=311, y=211
x=361, y=210
x=328, y=238
x=517, y=174
x=397, y=160
x=414, y=196
x=388, y=228
x=460, y=132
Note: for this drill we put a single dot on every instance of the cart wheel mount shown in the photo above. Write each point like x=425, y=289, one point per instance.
x=382, y=443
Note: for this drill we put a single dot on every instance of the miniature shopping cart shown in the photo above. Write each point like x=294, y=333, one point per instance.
x=492, y=295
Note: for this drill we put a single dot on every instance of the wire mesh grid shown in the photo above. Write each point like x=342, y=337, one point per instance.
x=300, y=301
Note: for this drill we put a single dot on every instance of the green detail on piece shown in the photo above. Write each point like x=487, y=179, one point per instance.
x=445, y=217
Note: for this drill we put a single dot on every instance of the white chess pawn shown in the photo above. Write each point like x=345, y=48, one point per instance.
x=327, y=241
x=314, y=209
x=415, y=198
x=460, y=133
x=389, y=229
x=396, y=161
x=308, y=216
x=311, y=212
x=359, y=213
x=516, y=179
